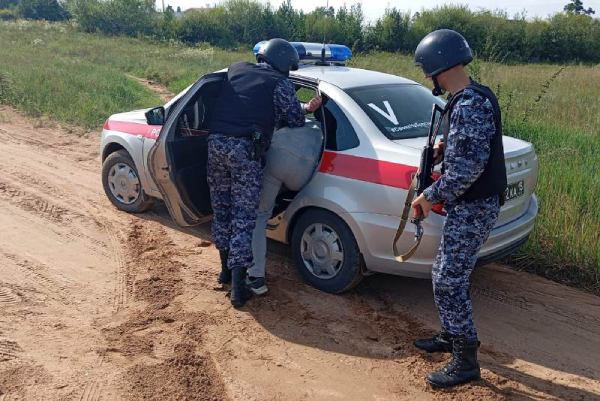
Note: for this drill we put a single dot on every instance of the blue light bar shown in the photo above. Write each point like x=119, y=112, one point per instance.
x=258, y=46
x=314, y=52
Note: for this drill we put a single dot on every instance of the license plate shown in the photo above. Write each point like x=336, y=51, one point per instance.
x=514, y=190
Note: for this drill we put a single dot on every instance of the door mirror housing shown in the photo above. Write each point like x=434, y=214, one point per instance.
x=156, y=116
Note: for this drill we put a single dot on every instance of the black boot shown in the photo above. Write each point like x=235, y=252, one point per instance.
x=441, y=342
x=225, y=275
x=239, y=289
x=462, y=368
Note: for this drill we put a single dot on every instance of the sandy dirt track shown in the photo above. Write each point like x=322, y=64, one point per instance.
x=96, y=304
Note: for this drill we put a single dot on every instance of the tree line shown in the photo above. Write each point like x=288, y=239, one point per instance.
x=569, y=36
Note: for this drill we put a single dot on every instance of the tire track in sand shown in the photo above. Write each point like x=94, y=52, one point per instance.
x=33, y=203
x=93, y=389
x=8, y=297
x=9, y=350
x=41, y=275
x=120, y=294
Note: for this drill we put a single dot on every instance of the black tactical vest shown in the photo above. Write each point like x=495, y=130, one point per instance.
x=493, y=179
x=245, y=103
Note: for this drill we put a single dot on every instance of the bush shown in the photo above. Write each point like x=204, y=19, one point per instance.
x=128, y=17
x=8, y=3
x=248, y=21
x=392, y=32
x=49, y=10
x=288, y=22
x=493, y=35
x=7, y=15
x=573, y=37
x=205, y=26
x=167, y=25
x=565, y=37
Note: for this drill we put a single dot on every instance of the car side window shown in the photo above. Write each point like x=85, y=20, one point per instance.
x=340, y=133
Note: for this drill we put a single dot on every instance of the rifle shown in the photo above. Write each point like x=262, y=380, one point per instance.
x=421, y=180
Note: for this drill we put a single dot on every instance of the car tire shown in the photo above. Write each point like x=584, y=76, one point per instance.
x=312, y=251
x=120, y=162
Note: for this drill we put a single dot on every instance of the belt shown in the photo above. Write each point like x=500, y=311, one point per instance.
x=244, y=136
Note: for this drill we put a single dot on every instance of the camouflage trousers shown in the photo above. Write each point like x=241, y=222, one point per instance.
x=467, y=227
x=234, y=180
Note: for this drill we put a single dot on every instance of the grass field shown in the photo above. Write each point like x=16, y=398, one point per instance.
x=50, y=69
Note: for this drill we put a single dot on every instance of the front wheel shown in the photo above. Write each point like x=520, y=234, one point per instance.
x=122, y=185
x=325, y=252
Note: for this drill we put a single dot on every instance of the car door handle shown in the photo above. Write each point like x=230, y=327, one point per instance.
x=140, y=137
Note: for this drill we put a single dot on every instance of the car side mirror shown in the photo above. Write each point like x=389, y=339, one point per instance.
x=156, y=116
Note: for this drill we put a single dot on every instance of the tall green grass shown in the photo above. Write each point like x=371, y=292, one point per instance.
x=82, y=78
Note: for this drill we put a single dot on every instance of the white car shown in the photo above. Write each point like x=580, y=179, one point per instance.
x=342, y=224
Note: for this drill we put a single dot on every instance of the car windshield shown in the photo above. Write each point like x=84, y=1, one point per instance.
x=400, y=111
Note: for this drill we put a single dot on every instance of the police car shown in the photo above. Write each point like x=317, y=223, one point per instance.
x=341, y=225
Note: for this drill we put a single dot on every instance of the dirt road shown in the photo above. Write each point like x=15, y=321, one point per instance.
x=96, y=304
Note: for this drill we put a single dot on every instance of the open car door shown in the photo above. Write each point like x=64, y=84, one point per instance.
x=177, y=161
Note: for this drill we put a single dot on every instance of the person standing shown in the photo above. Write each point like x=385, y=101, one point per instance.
x=472, y=188
x=255, y=99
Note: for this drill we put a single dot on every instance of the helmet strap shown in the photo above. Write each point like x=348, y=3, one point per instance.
x=437, y=90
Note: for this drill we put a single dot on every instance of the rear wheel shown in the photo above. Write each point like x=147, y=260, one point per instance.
x=122, y=185
x=325, y=252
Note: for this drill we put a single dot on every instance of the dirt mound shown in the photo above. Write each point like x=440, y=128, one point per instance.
x=185, y=376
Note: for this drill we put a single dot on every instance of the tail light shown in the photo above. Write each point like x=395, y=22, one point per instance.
x=438, y=208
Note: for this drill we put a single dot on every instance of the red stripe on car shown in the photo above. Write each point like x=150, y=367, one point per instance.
x=369, y=170
x=145, y=130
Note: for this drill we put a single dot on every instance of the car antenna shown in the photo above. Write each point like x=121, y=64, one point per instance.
x=322, y=62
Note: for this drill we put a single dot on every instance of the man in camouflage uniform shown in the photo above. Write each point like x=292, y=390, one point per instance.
x=472, y=188
x=256, y=98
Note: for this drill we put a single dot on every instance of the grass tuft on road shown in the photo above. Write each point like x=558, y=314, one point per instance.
x=54, y=70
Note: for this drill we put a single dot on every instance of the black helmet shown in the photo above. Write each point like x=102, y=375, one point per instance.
x=280, y=54
x=441, y=50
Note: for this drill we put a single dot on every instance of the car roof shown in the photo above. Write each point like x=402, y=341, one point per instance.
x=347, y=77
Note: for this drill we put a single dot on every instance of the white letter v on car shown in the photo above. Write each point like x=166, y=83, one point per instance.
x=390, y=113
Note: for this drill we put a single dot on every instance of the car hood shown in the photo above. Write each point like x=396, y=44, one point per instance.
x=135, y=116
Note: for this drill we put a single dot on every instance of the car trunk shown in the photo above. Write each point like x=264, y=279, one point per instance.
x=521, y=171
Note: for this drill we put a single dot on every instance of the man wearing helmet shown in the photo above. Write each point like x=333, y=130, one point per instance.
x=255, y=99
x=472, y=188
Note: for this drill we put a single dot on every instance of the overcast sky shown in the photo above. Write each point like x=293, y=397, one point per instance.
x=375, y=8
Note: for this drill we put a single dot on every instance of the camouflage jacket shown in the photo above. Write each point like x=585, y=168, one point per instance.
x=467, y=149
x=288, y=110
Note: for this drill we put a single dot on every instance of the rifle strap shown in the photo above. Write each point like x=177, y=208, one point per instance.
x=402, y=225
x=410, y=252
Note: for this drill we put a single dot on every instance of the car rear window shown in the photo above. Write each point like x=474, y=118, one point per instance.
x=399, y=111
